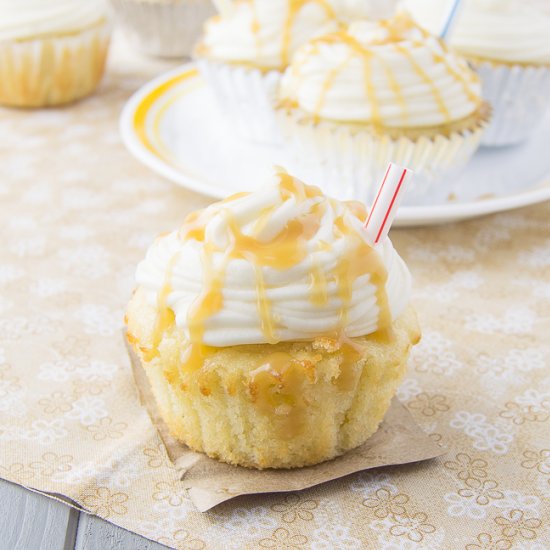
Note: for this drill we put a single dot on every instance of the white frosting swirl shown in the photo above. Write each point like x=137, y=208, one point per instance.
x=514, y=31
x=25, y=19
x=286, y=256
x=265, y=33
x=389, y=73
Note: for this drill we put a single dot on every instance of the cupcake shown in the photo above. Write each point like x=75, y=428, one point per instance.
x=51, y=52
x=244, y=50
x=508, y=44
x=272, y=333
x=162, y=28
x=380, y=91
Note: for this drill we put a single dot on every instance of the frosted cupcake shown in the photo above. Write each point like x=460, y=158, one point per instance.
x=272, y=333
x=383, y=91
x=51, y=52
x=508, y=43
x=162, y=28
x=244, y=50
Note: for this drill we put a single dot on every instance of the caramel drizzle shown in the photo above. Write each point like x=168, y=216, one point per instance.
x=165, y=316
x=327, y=84
x=430, y=83
x=395, y=29
x=277, y=386
x=472, y=96
x=294, y=7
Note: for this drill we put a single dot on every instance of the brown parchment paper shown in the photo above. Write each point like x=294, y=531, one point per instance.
x=399, y=440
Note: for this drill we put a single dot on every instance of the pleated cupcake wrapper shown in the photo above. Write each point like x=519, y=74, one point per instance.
x=348, y=163
x=399, y=440
x=163, y=29
x=53, y=70
x=246, y=97
x=519, y=96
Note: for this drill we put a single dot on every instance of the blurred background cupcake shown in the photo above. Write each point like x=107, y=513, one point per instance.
x=383, y=91
x=162, y=28
x=51, y=52
x=350, y=10
x=508, y=43
x=245, y=49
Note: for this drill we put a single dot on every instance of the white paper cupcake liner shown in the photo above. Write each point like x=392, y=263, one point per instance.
x=162, y=29
x=53, y=70
x=246, y=97
x=348, y=163
x=519, y=96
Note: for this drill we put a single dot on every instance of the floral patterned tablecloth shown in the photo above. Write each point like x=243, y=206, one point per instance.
x=77, y=215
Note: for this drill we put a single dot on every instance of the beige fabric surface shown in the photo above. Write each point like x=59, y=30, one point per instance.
x=77, y=215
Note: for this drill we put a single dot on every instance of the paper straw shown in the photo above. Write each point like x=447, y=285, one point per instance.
x=387, y=201
x=451, y=18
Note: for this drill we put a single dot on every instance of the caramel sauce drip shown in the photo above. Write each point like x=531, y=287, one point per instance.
x=425, y=78
x=264, y=307
x=294, y=7
x=208, y=303
x=319, y=286
x=327, y=85
x=472, y=96
x=397, y=90
x=363, y=260
x=396, y=28
x=165, y=316
x=277, y=387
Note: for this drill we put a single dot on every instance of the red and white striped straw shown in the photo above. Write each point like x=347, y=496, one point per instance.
x=384, y=207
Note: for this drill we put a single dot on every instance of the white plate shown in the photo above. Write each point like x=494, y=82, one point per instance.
x=173, y=126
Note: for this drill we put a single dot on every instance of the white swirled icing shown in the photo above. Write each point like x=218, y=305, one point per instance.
x=265, y=33
x=24, y=19
x=500, y=30
x=390, y=73
x=283, y=263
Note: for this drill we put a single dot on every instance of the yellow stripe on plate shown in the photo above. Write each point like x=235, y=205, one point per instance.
x=142, y=110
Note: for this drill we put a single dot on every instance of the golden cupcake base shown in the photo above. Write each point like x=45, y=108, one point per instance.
x=286, y=405
x=53, y=70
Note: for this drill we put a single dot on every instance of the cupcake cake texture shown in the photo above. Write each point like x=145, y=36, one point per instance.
x=162, y=28
x=507, y=42
x=380, y=91
x=244, y=50
x=51, y=52
x=272, y=333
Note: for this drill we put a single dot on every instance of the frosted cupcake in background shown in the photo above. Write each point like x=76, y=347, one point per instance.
x=272, y=333
x=350, y=10
x=508, y=43
x=244, y=50
x=51, y=52
x=383, y=91
x=162, y=28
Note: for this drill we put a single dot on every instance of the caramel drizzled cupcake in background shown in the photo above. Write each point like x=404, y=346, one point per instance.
x=162, y=28
x=508, y=44
x=244, y=50
x=272, y=333
x=382, y=91
x=51, y=52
